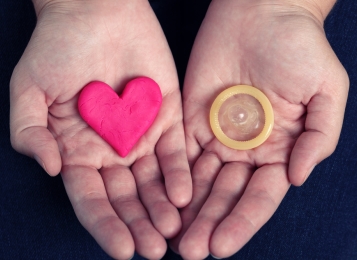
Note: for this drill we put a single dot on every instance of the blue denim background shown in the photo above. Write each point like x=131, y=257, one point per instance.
x=315, y=221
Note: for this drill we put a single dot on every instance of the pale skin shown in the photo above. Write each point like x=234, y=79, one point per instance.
x=129, y=203
x=280, y=48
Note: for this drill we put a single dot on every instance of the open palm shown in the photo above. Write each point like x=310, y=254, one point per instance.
x=126, y=203
x=281, y=50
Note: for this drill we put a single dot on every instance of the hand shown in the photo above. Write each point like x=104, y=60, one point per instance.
x=123, y=202
x=282, y=50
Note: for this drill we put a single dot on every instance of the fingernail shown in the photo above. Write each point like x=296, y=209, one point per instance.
x=215, y=257
x=40, y=162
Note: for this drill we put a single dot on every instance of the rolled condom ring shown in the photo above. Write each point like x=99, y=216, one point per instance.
x=242, y=117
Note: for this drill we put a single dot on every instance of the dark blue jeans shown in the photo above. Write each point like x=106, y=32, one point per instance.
x=315, y=221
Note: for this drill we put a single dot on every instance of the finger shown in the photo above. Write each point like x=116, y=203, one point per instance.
x=323, y=127
x=227, y=189
x=150, y=184
x=171, y=153
x=193, y=149
x=264, y=192
x=204, y=174
x=28, y=127
x=191, y=121
x=89, y=199
x=121, y=188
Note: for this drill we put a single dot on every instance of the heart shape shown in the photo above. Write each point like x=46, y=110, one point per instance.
x=120, y=120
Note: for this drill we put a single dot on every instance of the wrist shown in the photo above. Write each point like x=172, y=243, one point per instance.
x=40, y=4
x=319, y=9
x=79, y=5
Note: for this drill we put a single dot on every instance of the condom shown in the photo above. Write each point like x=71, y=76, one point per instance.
x=242, y=117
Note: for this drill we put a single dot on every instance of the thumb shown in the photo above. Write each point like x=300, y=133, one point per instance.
x=323, y=124
x=28, y=127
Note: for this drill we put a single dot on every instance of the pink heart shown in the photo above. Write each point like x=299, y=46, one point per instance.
x=120, y=120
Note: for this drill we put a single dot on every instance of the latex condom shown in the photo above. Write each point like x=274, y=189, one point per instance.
x=242, y=117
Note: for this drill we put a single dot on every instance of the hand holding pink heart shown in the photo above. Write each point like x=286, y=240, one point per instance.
x=120, y=120
x=127, y=204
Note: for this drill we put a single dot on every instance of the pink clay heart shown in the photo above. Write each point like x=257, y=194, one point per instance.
x=120, y=120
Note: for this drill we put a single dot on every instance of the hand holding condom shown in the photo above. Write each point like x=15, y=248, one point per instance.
x=288, y=58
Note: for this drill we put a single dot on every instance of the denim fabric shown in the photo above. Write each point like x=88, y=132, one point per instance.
x=315, y=221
